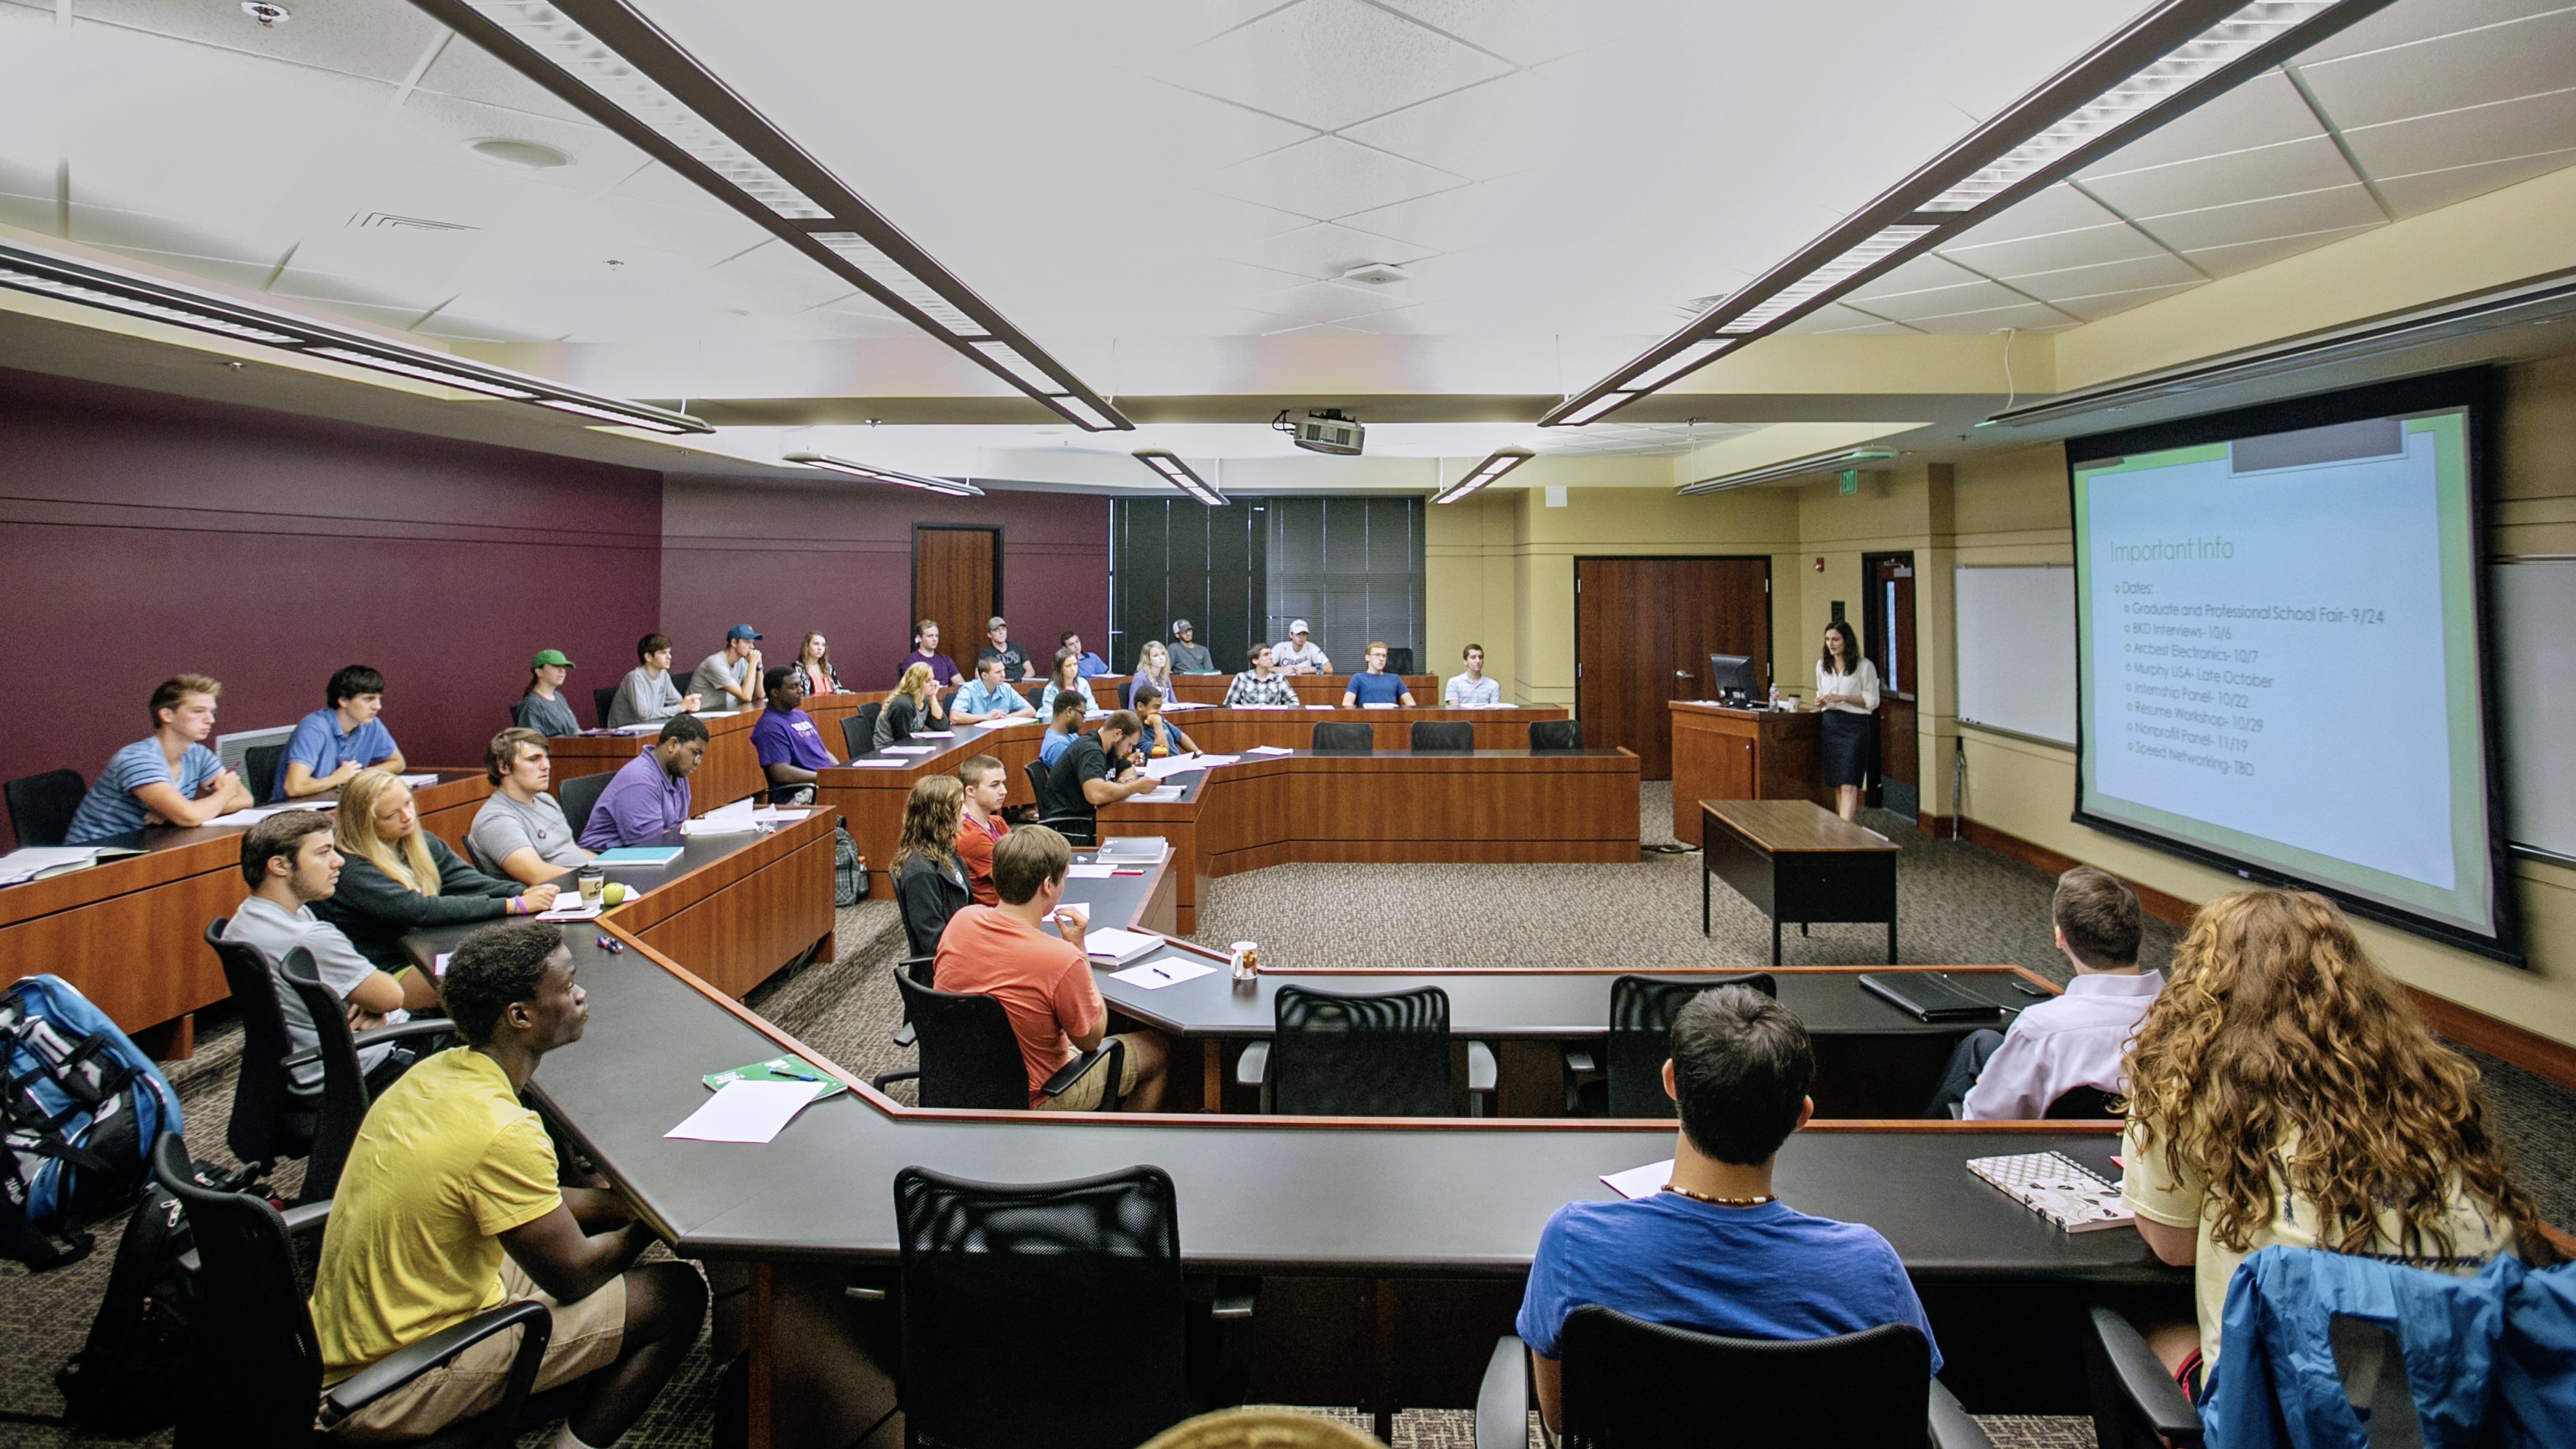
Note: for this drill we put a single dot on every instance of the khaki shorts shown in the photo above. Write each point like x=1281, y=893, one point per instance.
x=1084, y=1095
x=586, y=1338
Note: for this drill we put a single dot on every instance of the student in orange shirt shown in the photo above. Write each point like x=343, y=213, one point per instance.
x=980, y=826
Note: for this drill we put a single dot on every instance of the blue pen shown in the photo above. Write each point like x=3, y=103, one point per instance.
x=791, y=1072
x=612, y=945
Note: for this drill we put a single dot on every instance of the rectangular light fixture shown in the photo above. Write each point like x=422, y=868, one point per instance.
x=2178, y=55
x=1172, y=470
x=1834, y=462
x=1689, y=359
x=859, y=252
x=1082, y=412
x=26, y=269
x=1500, y=462
x=952, y=487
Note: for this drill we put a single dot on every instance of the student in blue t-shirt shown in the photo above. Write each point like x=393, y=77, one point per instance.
x=170, y=778
x=329, y=745
x=1374, y=685
x=790, y=749
x=1715, y=1251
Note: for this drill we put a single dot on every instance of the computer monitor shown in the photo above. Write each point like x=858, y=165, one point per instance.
x=1730, y=677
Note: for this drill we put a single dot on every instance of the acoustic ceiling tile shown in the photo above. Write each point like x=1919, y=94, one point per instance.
x=2019, y=314
x=1329, y=64
x=2518, y=58
x=2405, y=24
x=2523, y=126
x=2277, y=216
x=2312, y=164
x=1329, y=179
x=2026, y=256
x=1458, y=218
x=1940, y=301
x=2053, y=209
x=2161, y=270
x=1326, y=250
x=2263, y=111
x=1523, y=34
x=472, y=73
x=2432, y=190
x=1920, y=274
x=2104, y=304
x=2226, y=259
x=377, y=41
x=1491, y=129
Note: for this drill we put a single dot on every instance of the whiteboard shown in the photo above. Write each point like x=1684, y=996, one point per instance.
x=2535, y=681
x=2017, y=649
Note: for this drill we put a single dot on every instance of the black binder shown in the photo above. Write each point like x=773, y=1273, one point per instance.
x=1930, y=996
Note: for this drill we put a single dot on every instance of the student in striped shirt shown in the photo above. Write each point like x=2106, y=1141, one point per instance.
x=170, y=778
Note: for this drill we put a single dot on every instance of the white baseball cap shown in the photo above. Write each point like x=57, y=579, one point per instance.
x=1297, y=626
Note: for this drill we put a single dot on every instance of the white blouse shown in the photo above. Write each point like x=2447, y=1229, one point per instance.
x=1864, y=683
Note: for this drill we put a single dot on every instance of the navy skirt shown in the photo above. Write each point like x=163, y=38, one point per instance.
x=1848, y=739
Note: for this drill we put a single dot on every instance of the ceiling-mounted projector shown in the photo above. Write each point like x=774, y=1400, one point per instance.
x=1327, y=431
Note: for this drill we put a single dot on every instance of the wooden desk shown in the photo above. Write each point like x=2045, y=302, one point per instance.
x=1311, y=688
x=1798, y=861
x=827, y=711
x=729, y=772
x=1741, y=754
x=129, y=933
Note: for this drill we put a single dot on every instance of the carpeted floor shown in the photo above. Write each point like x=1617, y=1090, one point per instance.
x=1957, y=904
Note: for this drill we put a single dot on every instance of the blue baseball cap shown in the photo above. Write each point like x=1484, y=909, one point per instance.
x=742, y=631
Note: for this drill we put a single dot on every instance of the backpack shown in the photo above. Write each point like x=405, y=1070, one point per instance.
x=129, y=1375
x=849, y=871
x=83, y=1106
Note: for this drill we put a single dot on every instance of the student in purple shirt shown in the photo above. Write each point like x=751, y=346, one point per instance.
x=790, y=748
x=1716, y=1251
x=925, y=650
x=649, y=796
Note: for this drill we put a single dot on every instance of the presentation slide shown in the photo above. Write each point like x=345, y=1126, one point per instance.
x=2278, y=658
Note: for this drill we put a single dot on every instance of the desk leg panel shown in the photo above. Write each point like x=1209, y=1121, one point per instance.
x=124, y=953
x=1742, y=867
x=742, y=935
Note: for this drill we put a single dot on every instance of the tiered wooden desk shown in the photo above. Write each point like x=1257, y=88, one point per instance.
x=1311, y=688
x=730, y=770
x=1741, y=754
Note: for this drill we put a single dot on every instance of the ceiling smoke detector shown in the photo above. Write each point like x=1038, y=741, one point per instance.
x=511, y=152
x=1376, y=274
x=269, y=16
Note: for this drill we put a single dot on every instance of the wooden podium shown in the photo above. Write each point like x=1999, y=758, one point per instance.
x=1741, y=754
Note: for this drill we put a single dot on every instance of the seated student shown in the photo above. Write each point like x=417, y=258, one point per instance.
x=813, y=666
x=1095, y=768
x=1716, y=1251
x=1153, y=667
x=1064, y=676
x=925, y=652
x=541, y=705
x=1089, y=665
x=330, y=745
x=2068, y=1041
x=449, y=1206
x=980, y=826
x=929, y=881
x=1373, y=685
x=649, y=796
x=1189, y=657
x=988, y=697
x=998, y=645
x=290, y=863
x=1261, y=685
x=400, y=878
x=729, y=679
x=1063, y=723
x=1161, y=737
x=521, y=832
x=1044, y=983
x=790, y=749
x=167, y=778
x=646, y=693
x=1470, y=687
x=2283, y=1090
x=913, y=704
x=1296, y=656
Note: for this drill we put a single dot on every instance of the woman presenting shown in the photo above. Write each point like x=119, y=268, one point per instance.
x=1847, y=692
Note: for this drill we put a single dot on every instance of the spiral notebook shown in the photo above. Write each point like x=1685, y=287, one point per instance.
x=2058, y=1188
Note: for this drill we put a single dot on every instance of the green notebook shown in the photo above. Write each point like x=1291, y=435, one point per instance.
x=778, y=1069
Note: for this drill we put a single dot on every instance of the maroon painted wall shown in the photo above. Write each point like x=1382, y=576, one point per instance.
x=786, y=558
x=143, y=536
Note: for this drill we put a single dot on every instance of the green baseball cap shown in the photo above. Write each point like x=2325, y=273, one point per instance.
x=550, y=656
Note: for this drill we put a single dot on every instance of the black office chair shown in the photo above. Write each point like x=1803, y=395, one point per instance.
x=859, y=731
x=1126, y=692
x=1077, y=829
x=1556, y=734
x=1358, y=1056
x=345, y=1095
x=262, y=775
x=2136, y=1403
x=1349, y=737
x=970, y=1057
x=600, y=700
x=578, y=796
x=1090, y=1269
x=919, y=969
x=257, y=1380
x=1034, y=691
x=41, y=807
x=1629, y=1079
x=2084, y=1104
x=1630, y=1384
x=1442, y=734
x=1399, y=659
x=269, y=1121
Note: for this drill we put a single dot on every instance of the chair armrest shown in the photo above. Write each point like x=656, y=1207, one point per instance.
x=1114, y=1053
x=1233, y=1301
x=904, y=1035
x=403, y=1031
x=1951, y=1426
x=411, y=1361
x=1253, y=1065
x=306, y=1215
x=907, y=1074
x=1579, y=1059
x=1503, y=1400
x=2122, y=1365
x=1482, y=1071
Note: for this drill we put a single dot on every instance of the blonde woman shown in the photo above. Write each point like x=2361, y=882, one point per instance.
x=929, y=881
x=813, y=665
x=1066, y=678
x=399, y=878
x=1154, y=667
x=912, y=705
x=2282, y=1090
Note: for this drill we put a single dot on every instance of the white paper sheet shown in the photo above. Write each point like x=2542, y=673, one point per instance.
x=879, y=764
x=733, y=819
x=1166, y=795
x=934, y=734
x=1269, y=750
x=26, y=864
x=1111, y=944
x=1089, y=872
x=1217, y=762
x=1644, y=1181
x=416, y=781
x=1155, y=975
x=258, y=813
x=1170, y=765
x=438, y=963
x=778, y=815
x=748, y=1111
x=912, y=749
x=574, y=911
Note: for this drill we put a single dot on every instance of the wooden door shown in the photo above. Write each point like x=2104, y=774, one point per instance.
x=1643, y=631
x=1888, y=637
x=957, y=581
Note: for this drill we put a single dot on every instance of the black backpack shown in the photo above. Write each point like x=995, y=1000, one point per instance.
x=82, y=1108
x=129, y=1375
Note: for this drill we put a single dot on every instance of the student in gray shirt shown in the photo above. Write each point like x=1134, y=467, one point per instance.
x=290, y=862
x=730, y=678
x=521, y=833
x=1187, y=654
x=647, y=695
x=541, y=705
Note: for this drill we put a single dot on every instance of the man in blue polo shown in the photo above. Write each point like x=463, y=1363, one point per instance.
x=331, y=744
x=790, y=748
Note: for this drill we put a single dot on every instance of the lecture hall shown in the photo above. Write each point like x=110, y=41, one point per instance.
x=1452, y=724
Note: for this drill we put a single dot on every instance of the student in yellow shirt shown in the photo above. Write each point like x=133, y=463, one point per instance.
x=449, y=1207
